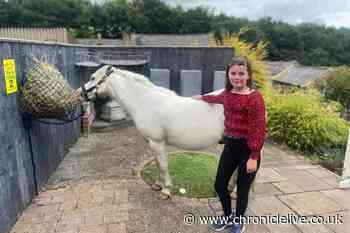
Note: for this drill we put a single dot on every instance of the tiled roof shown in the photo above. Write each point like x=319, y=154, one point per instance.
x=172, y=40
x=277, y=67
x=115, y=42
x=295, y=74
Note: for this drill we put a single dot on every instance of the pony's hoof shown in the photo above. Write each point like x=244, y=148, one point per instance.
x=163, y=196
x=156, y=187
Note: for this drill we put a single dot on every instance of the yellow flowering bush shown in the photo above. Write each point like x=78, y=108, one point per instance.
x=255, y=53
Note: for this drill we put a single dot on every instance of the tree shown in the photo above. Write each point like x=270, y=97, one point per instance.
x=223, y=23
x=318, y=56
x=13, y=13
x=308, y=43
x=283, y=39
x=4, y=13
x=198, y=20
x=114, y=18
x=46, y=13
x=154, y=16
x=336, y=86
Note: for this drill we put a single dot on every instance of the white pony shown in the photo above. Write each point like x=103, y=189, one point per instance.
x=162, y=116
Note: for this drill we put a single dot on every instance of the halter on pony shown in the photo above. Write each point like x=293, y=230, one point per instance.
x=89, y=88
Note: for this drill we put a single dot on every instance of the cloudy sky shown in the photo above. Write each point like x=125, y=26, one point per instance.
x=329, y=12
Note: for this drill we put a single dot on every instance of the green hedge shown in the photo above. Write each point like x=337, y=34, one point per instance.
x=302, y=120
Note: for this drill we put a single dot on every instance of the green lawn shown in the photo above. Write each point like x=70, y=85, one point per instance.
x=195, y=172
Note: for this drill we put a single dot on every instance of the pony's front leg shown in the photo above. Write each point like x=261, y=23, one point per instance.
x=162, y=161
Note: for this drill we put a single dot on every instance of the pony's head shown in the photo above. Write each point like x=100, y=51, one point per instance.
x=96, y=86
x=100, y=85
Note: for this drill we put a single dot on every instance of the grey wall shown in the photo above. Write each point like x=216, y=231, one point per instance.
x=182, y=58
x=190, y=82
x=219, y=79
x=50, y=143
x=160, y=77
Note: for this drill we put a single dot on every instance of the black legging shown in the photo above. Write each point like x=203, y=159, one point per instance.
x=235, y=154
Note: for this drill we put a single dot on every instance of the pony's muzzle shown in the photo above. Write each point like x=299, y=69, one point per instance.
x=89, y=90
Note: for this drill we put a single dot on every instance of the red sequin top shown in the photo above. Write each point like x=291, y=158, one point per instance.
x=244, y=117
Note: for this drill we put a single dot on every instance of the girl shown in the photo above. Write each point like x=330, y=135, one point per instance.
x=244, y=135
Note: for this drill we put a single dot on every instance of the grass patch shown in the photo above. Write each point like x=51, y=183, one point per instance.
x=195, y=172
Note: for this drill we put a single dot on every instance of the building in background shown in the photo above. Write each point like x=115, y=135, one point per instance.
x=165, y=40
x=60, y=35
x=155, y=40
x=287, y=74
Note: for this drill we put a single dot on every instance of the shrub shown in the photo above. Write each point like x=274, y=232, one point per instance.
x=255, y=53
x=336, y=86
x=303, y=121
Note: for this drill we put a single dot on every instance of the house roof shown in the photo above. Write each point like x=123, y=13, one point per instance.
x=277, y=67
x=115, y=42
x=165, y=40
x=39, y=34
x=294, y=74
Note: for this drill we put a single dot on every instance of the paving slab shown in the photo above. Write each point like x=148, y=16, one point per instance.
x=269, y=175
x=342, y=197
x=272, y=206
x=265, y=189
x=321, y=172
x=116, y=228
x=261, y=228
x=313, y=228
x=303, y=179
x=342, y=227
x=305, y=166
x=310, y=203
x=97, y=188
x=275, y=152
x=332, y=181
x=288, y=187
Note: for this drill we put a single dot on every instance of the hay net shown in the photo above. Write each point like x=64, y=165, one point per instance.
x=46, y=93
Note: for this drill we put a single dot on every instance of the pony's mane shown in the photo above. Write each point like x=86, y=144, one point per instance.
x=135, y=77
x=142, y=80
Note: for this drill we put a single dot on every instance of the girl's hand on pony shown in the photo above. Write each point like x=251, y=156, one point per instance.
x=251, y=165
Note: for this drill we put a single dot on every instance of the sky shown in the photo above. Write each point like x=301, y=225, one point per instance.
x=334, y=13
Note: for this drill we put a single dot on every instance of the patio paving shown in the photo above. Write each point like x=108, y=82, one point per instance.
x=97, y=189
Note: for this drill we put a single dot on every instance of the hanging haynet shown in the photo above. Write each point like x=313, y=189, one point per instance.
x=46, y=94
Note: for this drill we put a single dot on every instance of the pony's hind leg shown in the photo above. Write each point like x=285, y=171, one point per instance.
x=162, y=162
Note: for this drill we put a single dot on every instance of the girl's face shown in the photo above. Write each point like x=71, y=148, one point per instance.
x=238, y=76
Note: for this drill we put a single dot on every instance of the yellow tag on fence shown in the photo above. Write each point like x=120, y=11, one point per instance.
x=10, y=76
